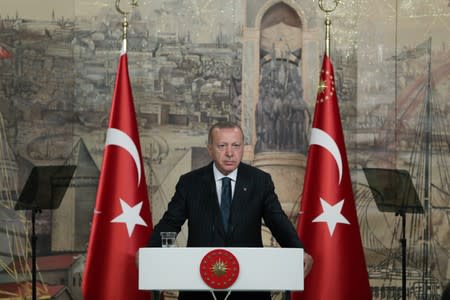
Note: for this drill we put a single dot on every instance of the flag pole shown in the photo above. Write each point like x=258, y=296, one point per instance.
x=328, y=225
x=328, y=23
x=111, y=270
x=124, y=14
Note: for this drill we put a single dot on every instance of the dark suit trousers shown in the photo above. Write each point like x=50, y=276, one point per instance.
x=222, y=295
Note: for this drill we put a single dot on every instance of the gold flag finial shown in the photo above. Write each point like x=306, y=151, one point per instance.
x=327, y=11
x=124, y=14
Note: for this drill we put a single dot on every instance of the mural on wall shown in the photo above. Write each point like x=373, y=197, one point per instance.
x=193, y=63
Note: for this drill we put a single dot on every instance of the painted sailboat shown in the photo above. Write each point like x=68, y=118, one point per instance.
x=425, y=155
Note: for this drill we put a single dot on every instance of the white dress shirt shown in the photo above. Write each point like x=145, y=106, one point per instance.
x=218, y=178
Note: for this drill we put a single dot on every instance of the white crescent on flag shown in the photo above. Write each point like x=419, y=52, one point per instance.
x=323, y=139
x=121, y=139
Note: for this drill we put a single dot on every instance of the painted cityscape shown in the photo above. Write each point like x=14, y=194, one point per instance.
x=195, y=62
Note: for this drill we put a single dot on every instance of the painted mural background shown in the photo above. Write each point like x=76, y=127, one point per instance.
x=194, y=62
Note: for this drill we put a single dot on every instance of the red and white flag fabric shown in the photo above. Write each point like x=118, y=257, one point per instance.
x=122, y=220
x=328, y=223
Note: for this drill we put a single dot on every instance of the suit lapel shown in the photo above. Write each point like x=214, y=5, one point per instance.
x=241, y=194
x=211, y=202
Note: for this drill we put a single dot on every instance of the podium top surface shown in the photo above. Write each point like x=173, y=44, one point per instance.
x=45, y=187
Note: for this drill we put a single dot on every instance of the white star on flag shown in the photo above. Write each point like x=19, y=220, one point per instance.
x=331, y=215
x=130, y=216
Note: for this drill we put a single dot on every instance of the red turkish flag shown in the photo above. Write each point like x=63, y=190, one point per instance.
x=122, y=220
x=328, y=224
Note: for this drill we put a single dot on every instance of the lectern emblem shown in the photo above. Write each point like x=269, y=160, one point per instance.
x=219, y=269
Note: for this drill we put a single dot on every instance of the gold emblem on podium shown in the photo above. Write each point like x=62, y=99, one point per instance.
x=219, y=269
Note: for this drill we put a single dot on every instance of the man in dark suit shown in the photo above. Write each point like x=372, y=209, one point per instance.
x=198, y=199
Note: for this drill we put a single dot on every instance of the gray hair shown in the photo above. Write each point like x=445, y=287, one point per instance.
x=222, y=125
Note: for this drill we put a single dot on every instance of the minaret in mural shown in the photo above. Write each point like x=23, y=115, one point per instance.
x=70, y=222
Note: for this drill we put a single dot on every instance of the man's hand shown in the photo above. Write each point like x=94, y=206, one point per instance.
x=307, y=263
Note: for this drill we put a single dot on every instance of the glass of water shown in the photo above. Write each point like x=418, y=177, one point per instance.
x=168, y=239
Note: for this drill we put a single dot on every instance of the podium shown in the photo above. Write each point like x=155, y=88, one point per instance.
x=260, y=269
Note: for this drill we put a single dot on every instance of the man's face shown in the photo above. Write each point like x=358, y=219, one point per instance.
x=226, y=149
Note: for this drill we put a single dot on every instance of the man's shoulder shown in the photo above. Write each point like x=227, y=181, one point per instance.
x=246, y=168
x=199, y=171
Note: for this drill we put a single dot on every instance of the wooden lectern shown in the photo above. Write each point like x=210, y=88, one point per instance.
x=260, y=269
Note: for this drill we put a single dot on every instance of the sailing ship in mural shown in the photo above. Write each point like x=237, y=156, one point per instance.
x=425, y=145
x=14, y=230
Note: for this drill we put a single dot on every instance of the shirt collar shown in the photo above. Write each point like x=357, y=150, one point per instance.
x=219, y=176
